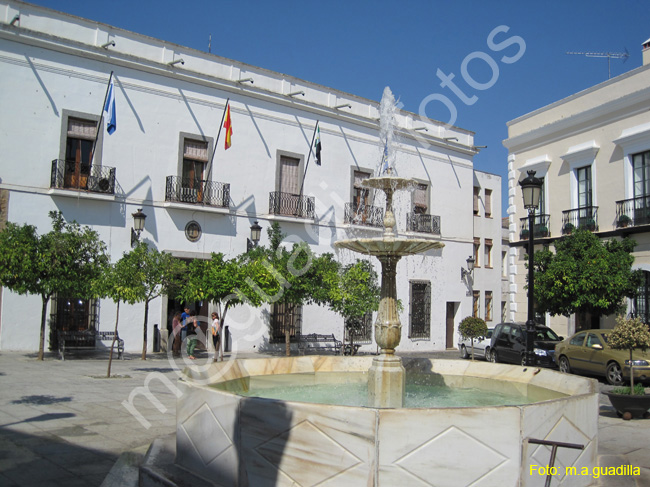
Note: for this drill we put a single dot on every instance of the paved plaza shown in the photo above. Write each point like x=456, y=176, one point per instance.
x=63, y=423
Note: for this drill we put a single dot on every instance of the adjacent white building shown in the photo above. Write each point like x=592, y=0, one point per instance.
x=592, y=150
x=199, y=198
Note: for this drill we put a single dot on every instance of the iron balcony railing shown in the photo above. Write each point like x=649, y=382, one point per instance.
x=586, y=217
x=82, y=177
x=371, y=216
x=633, y=212
x=197, y=191
x=423, y=223
x=289, y=204
x=541, y=227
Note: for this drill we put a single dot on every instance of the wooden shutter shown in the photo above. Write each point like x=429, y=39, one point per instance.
x=289, y=175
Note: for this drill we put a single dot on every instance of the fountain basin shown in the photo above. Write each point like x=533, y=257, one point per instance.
x=239, y=441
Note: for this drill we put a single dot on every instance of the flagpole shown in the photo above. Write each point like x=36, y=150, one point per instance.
x=216, y=143
x=313, y=137
x=101, y=117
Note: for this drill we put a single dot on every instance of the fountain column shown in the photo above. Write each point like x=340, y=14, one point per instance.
x=386, y=376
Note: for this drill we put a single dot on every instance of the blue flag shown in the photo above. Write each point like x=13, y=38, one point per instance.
x=109, y=109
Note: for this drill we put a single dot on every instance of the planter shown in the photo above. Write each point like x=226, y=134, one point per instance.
x=629, y=406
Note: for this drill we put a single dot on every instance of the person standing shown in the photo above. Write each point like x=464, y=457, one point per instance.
x=192, y=324
x=185, y=315
x=216, y=336
x=176, y=334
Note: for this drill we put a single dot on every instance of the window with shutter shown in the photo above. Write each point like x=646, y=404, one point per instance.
x=488, y=203
x=421, y=199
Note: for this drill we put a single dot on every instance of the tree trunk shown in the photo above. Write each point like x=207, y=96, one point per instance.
x=144, y=335
x=110, y=354
x=41, y=341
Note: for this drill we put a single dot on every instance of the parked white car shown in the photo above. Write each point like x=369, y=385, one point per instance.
x=481, y=347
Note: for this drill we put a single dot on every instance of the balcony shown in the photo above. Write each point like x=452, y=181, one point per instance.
x=197, y=192
x=633, y=212
x=541, y=227
x=287, y=204
x=370, y=216
x=423, y=223
x=82, y=177
x=586, y=217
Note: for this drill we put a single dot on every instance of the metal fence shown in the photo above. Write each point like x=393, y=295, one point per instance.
x=291, y=205
x=82, y=177
x=423, y=223
x=371, y=216
x=197, y=191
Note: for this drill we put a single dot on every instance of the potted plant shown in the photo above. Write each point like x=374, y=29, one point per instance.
x=472, y=327
x=624, y=221
x=568, y=228
x=630, y=334
x=541, y=230
x=591, y=224
x=524, y=234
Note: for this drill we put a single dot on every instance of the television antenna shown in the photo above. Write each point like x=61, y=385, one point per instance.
x=608, y=55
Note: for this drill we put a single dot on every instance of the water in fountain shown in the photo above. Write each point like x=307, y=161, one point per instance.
x=387, y=119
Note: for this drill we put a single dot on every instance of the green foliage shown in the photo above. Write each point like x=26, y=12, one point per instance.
x=472, y=327
x=629, y=334
x=585, y=274
x=638, y=390
x=68, y=261
x=355, y=291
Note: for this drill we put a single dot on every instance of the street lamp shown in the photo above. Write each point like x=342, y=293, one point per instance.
x=470, y=268
x=138, y=225
x=531, y=188
x=256, y=232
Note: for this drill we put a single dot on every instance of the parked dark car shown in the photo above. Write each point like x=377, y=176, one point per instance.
x=508, y=344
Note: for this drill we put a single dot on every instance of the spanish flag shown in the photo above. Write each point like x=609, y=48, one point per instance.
x=228, y=126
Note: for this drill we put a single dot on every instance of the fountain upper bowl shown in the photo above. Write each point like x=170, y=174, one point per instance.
x=389, y=246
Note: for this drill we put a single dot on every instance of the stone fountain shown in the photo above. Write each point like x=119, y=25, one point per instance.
x=386, y=381
x=230, y=434
x=386, y=375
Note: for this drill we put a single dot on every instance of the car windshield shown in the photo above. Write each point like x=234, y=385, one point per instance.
x=546, y=334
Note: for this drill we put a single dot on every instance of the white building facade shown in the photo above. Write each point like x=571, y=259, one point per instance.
x=200, y=198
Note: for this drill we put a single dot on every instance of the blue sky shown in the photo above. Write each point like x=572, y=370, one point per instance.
x=362, y=46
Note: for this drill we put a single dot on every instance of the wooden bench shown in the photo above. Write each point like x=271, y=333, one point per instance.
x=315, y=341
x=86, y=340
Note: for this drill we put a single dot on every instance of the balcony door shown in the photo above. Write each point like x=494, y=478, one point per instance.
x=78, y=152
x=641, y=188
x=195, y=159
x=585, y=203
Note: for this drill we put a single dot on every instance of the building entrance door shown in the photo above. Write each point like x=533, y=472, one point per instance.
x=451, y=313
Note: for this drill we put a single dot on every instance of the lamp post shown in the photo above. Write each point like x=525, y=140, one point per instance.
x=138, y=225
x=256, y=233
x=531, y=188
x=470, y=268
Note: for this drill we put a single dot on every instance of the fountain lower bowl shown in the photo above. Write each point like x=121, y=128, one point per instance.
x=235, y=440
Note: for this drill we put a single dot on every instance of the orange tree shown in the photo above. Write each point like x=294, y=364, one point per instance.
x=67, y=261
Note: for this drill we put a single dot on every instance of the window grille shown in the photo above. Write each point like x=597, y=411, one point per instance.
x=420, y=318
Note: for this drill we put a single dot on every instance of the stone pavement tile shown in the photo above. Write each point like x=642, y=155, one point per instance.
x=605, y=461
x=7, y=482
x=640, y=458
x=39, y=471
